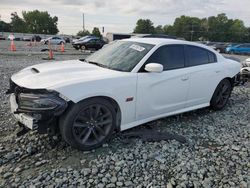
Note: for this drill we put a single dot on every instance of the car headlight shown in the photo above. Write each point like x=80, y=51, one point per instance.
x=40, y=102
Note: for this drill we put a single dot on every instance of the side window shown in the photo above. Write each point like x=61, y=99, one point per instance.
x=171, y=57
x=199, y=56
x=212, y=57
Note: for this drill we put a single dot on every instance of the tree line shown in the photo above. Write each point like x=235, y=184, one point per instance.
x=214, y=28
x=31, y=22
x=39, y=22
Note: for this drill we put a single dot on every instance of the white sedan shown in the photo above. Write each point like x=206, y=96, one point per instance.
x=53, y=40
x=125, y=84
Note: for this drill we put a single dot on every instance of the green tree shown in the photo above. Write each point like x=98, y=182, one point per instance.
x=217, y=27
x=40, y=22
x=159, y=29
x=5, y=27
x=237, y=31
x=83, y=33
x=247, y=35
x=214, y=28
x=189, y=28
x=169, y=30
x=144, y=26
x=220, y=28
x=17, y=24
x=96, y=32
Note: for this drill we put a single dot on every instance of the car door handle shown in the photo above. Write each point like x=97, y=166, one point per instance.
x=184, y=79
x=218, y=71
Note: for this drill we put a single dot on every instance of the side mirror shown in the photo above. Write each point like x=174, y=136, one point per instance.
x=154, y=67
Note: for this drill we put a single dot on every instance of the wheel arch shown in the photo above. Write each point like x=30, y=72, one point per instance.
x=212, y=104
x=116, y=106
x=231, y=80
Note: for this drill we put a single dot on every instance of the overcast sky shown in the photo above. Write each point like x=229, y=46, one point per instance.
x=121, y=15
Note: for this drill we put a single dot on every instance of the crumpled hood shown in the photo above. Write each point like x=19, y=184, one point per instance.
x=57, y=74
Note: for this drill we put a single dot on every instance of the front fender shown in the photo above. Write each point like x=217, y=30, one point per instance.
x=119, y=89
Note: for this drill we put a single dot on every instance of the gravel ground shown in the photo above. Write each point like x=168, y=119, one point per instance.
x=22, y=46
x=216, y=154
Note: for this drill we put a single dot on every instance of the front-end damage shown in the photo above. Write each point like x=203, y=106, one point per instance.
x=37, y=109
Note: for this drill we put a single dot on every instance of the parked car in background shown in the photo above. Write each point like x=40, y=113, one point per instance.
x=239, y=49
x=2, y=37
x=27, y=38
x=211, y=44
x=53, y=40
x=233, y=44
x=36, y=38
x=67, y=39
x=89, y=43
x=128, y=83
x=83, y=38
x=13, y=37
x=220, y=47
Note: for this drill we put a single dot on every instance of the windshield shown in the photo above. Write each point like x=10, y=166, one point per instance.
x=120, y=55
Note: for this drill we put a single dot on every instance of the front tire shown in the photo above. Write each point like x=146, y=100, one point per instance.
x=88, y=124
x=83, y=47
x=221, y=95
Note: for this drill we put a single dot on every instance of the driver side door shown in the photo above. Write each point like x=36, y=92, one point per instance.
x=165, y=92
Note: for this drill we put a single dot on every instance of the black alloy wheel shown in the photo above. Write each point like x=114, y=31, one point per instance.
x=88, y=124
x=92, y=125
x=221, y=95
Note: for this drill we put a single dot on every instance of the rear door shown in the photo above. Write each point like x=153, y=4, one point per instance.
x=165, y=92
x=205, y=74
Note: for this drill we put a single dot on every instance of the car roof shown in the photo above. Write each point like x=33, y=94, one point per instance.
x=160, y=41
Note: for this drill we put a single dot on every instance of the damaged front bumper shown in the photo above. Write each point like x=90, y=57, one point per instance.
x=36, y=109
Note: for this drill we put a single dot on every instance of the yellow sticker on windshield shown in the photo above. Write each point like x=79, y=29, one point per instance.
x=137, y=47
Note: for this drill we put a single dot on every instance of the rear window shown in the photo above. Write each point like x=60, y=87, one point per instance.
x=199, y=56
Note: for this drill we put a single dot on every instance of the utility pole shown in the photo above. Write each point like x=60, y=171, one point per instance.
x=83, y=26
x=192, y=32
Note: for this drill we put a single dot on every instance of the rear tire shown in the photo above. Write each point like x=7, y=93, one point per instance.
x=88, y=124
x=221, y=95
